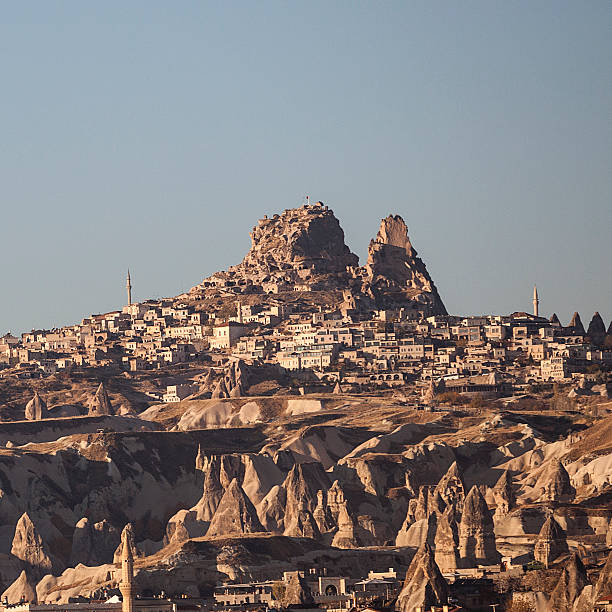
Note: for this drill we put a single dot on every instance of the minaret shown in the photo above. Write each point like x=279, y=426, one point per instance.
x=128, y=286
x=536, y=301
x=126, y=585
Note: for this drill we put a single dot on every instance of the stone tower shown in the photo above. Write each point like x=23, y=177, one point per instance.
x=128, y=286
x=126, y=586
x=536, y=301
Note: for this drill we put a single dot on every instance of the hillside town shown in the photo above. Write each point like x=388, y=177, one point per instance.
x=487, y=355
x=301, y=432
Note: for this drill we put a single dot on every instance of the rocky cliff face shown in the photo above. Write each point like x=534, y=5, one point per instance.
x=447, y=541
x=476, y=536
x=36, y=408
x=28, y=546
x=551, y=543
x=571, y=583
x=424, y=585
x=235, y=513
x=93, y=543
x=300, y=245
x=304, y=247
x=395, y=275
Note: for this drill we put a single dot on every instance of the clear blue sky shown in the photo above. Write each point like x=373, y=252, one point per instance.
x=154, y=135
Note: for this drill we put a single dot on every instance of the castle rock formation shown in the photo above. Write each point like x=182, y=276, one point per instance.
x=395, y=275
x=304, y=249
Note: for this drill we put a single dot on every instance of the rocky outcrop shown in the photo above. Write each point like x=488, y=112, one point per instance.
x=297, y=593
x=551, y=543
x=302, y=524
x=604, y=582
x=219, y=471
x=335, y=498
x=597, y=329
x=576, y=325
x=418, y=533
x=572, y=581
x=301, y=245
x=22, y=590
x=304, y=248
x=424, y=585
x=36, y=408
x=503, y=494
x=322, y=515
x=476, y=536
x=446, y=542
x=235, y=514
x=557, y=485
x=183, y=526
x=271, y=509
x=93, y=543
x=233, y=382
x=347, y=534
x=100, y=403
x=609, y=535
x=394, y=273
x=28, y=546
x=302, y=485
x=450, y=489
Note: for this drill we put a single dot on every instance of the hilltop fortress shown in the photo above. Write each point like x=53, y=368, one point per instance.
x=303, y=250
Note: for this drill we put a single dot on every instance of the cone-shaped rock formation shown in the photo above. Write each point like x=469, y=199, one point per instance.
x=551, y=543
x=424, y=585
x=235, y=514
x=476, y=536
x=100, y=404
x=36, y=408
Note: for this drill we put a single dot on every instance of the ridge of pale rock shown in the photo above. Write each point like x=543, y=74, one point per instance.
x=476, y=535
x=234, y=514
x=424, y=585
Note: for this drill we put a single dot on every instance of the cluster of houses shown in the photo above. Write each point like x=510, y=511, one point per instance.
x=382, y=348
